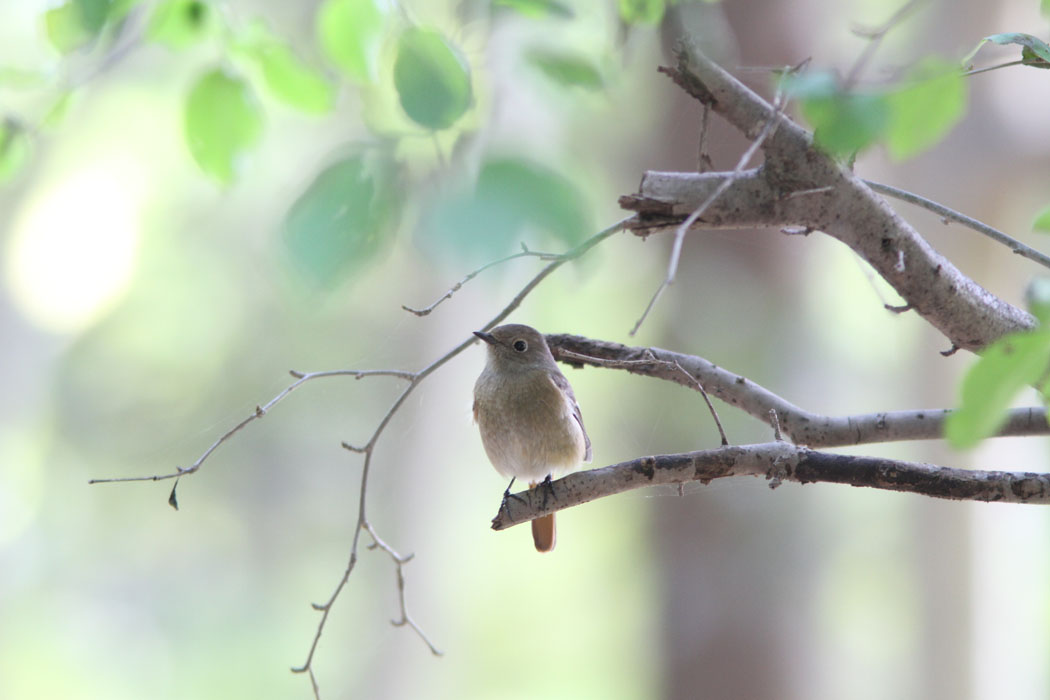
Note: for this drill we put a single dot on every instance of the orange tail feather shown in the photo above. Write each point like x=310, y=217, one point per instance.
x=544, y=534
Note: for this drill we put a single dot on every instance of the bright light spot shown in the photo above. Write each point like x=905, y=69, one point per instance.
x=73, y=250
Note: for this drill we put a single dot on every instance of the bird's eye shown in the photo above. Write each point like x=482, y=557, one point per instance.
x=521, y=345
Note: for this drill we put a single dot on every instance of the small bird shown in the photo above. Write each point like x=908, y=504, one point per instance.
x=529, y=420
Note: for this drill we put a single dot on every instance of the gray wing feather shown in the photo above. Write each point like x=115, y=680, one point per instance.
x=562, y=383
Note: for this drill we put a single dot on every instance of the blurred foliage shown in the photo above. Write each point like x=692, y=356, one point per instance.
x=288, y=77
x=77, y=22
x=339, y=223
x=1042, y=221
x=349, y=32
x=538, y=8
x=14, y=149
x=909, y=116
x=642, y=11
x=1005, y=368
x=223, y=121
x=1012, y=363
x=567, y=69
x=432, y=78
x=511, y=198
x=930, y=101
x=181, y=23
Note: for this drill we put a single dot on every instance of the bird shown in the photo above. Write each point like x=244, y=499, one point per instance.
x=528, y=417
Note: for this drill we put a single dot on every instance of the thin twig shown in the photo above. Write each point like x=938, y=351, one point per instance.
x=459, y=285
x=679, y=234
x=651, y=360
x=707, y=400
x=703, y=160
x=1022, y=62
x=400, y=562
x=809, y=192
x=775, y=422
x=875, y=37
x=259, y=412
x=1013, y=244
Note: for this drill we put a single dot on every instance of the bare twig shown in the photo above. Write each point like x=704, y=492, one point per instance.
x=810, y=192
x=459, y=285
x=683, y=228
x=703, y=159
x=780, y=461
x=259, y=412
x=775, y=422
x=399, y=562
x=707, y=400
x=571, y=357
x=875, y=37
x=1022, y=62
x=996, y=235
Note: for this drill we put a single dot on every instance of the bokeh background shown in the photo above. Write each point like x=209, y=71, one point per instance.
x=146, y=308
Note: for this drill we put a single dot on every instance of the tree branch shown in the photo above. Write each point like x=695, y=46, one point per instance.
x=776, y=461
x=995, y=234
x=797, y=424
x=839, y=203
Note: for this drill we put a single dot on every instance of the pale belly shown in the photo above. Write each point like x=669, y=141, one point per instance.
x=531, y=444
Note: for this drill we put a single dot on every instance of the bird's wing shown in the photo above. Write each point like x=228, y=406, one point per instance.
x=563, y=384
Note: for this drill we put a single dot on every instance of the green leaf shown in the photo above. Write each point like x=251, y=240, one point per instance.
x=1042, y=221
x=1034, y=59
x=289, y=78
x=512, y=196
x=641, y=11
x=1044, y=7
x=846, y=123
x=65, y=28
x=342, y=219
x=568, y=69
x=1033, y=47
x=94, y=13
x=1037, y=297
x=222, y=121
x=350, y=33
x=537, y=8
x=1013, y=362
x=15, y=148
x=76, y=23
x=180, y=23
x=432, y=79
x=924, y=111
x=843, y=123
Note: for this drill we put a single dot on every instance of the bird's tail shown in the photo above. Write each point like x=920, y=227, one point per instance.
x=544, y=534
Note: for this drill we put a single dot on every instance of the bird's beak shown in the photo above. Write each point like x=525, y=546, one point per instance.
x=487, y=337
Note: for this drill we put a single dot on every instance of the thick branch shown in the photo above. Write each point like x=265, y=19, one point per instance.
x=838, y=203
x=777, y=461
x=797, y=424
